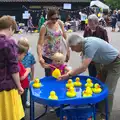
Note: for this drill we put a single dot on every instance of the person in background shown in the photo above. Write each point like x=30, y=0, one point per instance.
x=41, y=22
x=51, y=40
x=10, y=88
x=30, y=24
x=67, y=22
x=28, y=61
x=113, y=20
x=94, y=29
x=118, y=20
x=83, y=18
x=23, y=75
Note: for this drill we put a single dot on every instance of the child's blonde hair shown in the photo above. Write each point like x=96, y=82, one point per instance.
x=58, y=56
x=24, y=42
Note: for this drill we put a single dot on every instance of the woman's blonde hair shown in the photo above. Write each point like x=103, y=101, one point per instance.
x=58, y=56
x=24, y=42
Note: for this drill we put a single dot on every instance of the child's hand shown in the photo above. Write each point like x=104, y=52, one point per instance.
x=28, y=70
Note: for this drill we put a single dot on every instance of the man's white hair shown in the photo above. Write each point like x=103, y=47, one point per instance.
x=93, y=17
x=75, y=39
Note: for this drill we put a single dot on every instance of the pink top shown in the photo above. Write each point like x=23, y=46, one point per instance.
x=61, y=68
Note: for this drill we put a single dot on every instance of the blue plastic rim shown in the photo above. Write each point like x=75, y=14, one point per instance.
x=41, y=95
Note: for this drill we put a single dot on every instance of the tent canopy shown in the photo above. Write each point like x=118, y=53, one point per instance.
x=99, y=4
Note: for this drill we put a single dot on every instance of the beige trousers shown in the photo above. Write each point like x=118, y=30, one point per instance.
x=109, y=74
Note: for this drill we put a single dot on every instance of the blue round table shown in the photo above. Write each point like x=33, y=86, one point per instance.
x=40, y=95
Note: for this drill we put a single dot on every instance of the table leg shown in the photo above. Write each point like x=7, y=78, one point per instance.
x=106, y=108
x=31, y=109
x=94, y=111
x=61, y=112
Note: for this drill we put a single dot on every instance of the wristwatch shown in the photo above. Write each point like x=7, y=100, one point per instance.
x=69, y=75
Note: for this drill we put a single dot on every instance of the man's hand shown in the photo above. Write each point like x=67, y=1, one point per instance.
x=63, y=77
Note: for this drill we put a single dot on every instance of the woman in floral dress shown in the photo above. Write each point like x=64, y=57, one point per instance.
x=51, y=40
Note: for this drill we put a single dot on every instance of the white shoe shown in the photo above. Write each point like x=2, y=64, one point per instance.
x=52, y=109
x=27, y=104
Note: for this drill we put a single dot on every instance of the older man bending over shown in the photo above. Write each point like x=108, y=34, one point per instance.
x=101, y=52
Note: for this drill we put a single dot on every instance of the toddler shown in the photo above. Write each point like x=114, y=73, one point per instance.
x=28, y=61
x=23, y=75
x=58, y=61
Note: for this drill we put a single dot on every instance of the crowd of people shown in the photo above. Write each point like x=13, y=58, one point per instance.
x=17, y=63
x=76, y=22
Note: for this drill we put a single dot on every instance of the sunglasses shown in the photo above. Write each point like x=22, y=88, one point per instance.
x=55, y=18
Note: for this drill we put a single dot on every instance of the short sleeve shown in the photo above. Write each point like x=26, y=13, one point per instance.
x=11, y=56
x=22, y=69
x=90, y=50
x=32, y=60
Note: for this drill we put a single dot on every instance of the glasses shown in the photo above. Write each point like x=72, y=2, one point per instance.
x=55, y=18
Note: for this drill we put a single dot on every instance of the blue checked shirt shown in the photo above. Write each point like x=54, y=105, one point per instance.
x=28, y=61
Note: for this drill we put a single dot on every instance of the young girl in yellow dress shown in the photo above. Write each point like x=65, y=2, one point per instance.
x=10, y=88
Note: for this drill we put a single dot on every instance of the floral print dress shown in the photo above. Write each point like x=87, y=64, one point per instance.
x=54, y=42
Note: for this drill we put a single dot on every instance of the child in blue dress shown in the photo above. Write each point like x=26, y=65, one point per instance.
x=28, y=61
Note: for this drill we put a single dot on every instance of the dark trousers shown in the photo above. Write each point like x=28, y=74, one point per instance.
x=24, y=99
x=82, y=25
x=47, y=70
x=92, y=70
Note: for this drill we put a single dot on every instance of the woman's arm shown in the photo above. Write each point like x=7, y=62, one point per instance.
x=65, y=37
x=16, y=79
x=63, y=29
x=40, y=45
x=12, y=63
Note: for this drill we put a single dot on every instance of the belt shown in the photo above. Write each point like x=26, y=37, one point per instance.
x=116, y=58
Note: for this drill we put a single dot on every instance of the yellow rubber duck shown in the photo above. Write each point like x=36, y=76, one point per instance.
x=85, y=94
x=56, y=73
x=89, y=83
x=97, y=88
x=35, y=31
x=70, y=31
x=19, y=32
x=89, y=90
x=71, y=92
x=77, y=83
x=53, y=96
x=69, y=83
x=37, y=83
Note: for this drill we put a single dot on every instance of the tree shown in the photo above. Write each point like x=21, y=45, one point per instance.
x=113, y=4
